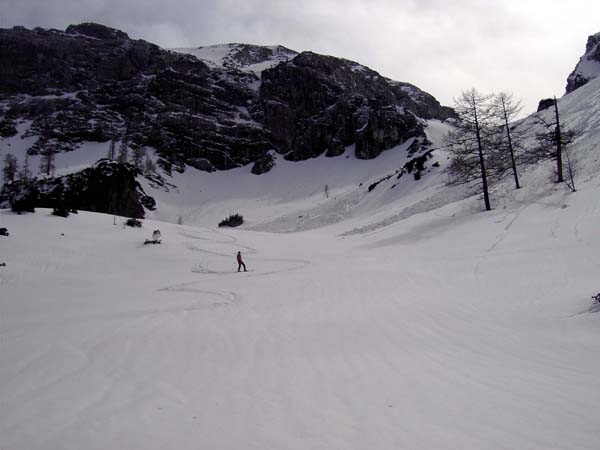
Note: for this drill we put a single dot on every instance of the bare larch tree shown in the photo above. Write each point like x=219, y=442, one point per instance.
x=467, y=143
x=507, y=110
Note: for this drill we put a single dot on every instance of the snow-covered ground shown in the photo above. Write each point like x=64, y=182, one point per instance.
x=398, y=318
x=436, y=332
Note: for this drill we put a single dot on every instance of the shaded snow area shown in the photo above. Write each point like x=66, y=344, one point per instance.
x=400, y=318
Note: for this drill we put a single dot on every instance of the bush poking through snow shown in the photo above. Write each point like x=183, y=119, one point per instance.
x=3, y=231
x=235, y=220
x=135, y=223
x=60, y=211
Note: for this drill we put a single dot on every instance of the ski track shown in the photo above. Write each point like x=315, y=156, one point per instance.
x=492, y=248
x=294, y=264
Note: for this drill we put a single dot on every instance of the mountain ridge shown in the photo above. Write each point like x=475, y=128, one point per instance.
x=104, y=85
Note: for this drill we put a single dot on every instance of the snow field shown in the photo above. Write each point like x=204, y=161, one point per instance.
x=476, y=332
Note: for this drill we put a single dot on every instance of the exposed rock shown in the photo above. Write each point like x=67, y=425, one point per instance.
x=263, y=164
x=96, y=31
x=588, y=67
x=545, y=104
x=94, y=83
x=315, y=104
x=416, y=166
x=108, y=187
x=7, y=128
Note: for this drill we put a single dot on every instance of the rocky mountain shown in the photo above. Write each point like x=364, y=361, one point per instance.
x=211, y=108
x=588, y=67
x=315, y=104
x=94, y=83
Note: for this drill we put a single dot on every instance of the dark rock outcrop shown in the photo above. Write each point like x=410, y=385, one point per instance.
x=263, y=164
x=588, y=67
x=107, y=187
x=94, y=83
x=545, y=103
x=315, y=104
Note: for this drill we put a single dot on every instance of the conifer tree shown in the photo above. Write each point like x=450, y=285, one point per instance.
x=506, y=110
x=112, y=151
x=10, y=169
x=123, y=155
x=48, y=155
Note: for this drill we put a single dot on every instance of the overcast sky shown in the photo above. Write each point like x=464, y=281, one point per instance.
x=527, y=47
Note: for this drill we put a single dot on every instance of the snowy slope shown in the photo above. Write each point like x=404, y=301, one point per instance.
x=291, y=197
x=438, y=332
x=249, y=58
x=397, y=318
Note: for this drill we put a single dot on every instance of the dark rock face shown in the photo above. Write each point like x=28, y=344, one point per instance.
x=7, y=128
x=96, y=31
x=588, y=67
x=545, y=104
x=263, y=164
x=108, y=187
x=315, y=104
x=94, y=83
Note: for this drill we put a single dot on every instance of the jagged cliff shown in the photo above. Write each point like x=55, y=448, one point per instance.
x=94, y=83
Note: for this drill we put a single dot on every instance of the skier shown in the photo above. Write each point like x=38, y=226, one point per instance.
x=240, y=262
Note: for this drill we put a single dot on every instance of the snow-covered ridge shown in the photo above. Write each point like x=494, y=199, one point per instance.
x=588, y=67
x=245, y=57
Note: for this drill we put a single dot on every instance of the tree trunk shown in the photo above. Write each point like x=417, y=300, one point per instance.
x=510, y=146
x=559, y=168
x=486, y=195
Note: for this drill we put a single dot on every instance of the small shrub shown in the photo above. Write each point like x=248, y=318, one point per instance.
x=235, y=220
x=3, y=232
x=135, y=223
x=60, y=211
